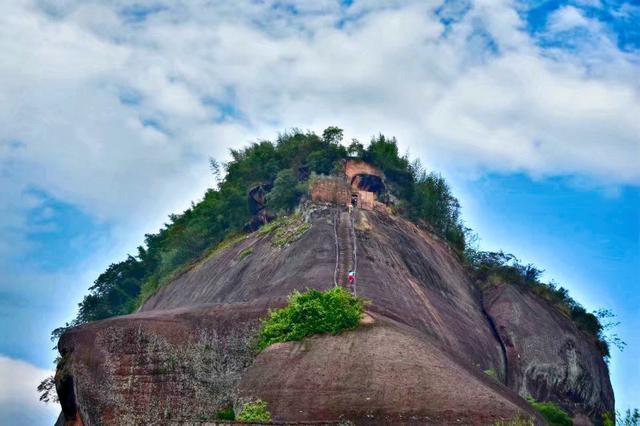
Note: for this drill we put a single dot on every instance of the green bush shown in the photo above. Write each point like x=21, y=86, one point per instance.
x=255, y=412
x=226, y=414
x=607, y=419
x=552, y=413
x=518, y=421
x=244, y=253
x=491, y=373
x=311, y=312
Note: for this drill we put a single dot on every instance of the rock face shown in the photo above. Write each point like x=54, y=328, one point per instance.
x=406, y=275
x=420, y=360
x=256, y=200
x=548, y=358
x=381, y=373
x=158, y=366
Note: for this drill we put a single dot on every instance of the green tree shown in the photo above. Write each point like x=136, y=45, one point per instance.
x=332, y=135
x=434, y=203
x=285, y=193
x=356, y=149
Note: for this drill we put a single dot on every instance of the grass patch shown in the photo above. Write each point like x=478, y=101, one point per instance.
x=285, y=236
x=231, y=240
x=491, y=373
x=285, y=230
x=518, y=421
x=244, y=253
x=311, y=312
x=552, y=413
x=255, y=412
x=148, y=289
x=271, y=226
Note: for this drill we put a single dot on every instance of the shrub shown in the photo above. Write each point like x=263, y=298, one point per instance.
x=311, y=312
x=491, y=373
x=607, y=419
x=226, y=414
x=552, y=413
x=433, y=202
x=244, y=253
x=256, y=412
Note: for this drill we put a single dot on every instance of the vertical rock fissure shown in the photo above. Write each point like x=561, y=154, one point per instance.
x=496, y=334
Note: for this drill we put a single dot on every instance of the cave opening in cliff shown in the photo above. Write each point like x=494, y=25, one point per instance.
x=367, y=189
x=368, y=183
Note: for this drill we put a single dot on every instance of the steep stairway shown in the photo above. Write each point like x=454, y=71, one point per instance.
x=346, y=250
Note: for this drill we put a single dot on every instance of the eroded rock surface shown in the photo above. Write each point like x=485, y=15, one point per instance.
x=187, y=353
x=383, y=373
x=159, y=366
x=548, y=357
x=407, y=276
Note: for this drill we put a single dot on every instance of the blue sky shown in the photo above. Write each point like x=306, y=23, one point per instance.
x=109, y=113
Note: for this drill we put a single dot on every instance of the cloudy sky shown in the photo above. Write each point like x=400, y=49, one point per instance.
x=109, y=111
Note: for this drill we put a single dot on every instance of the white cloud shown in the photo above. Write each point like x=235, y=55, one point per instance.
x=115, y=109
x=19, y=402
x=116, y=112
x=590, y=3
x=482, y=87
x=566, y=18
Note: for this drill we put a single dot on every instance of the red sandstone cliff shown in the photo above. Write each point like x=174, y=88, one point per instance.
x=419, y=359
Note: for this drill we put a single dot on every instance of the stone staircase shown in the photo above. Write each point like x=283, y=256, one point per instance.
x=346, y=250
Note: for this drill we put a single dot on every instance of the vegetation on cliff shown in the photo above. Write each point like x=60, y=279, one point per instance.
x=286, y=166
x=311, y=312
x=277, y=175
x=255, y=412
x=553, y=414
x=492, y=268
